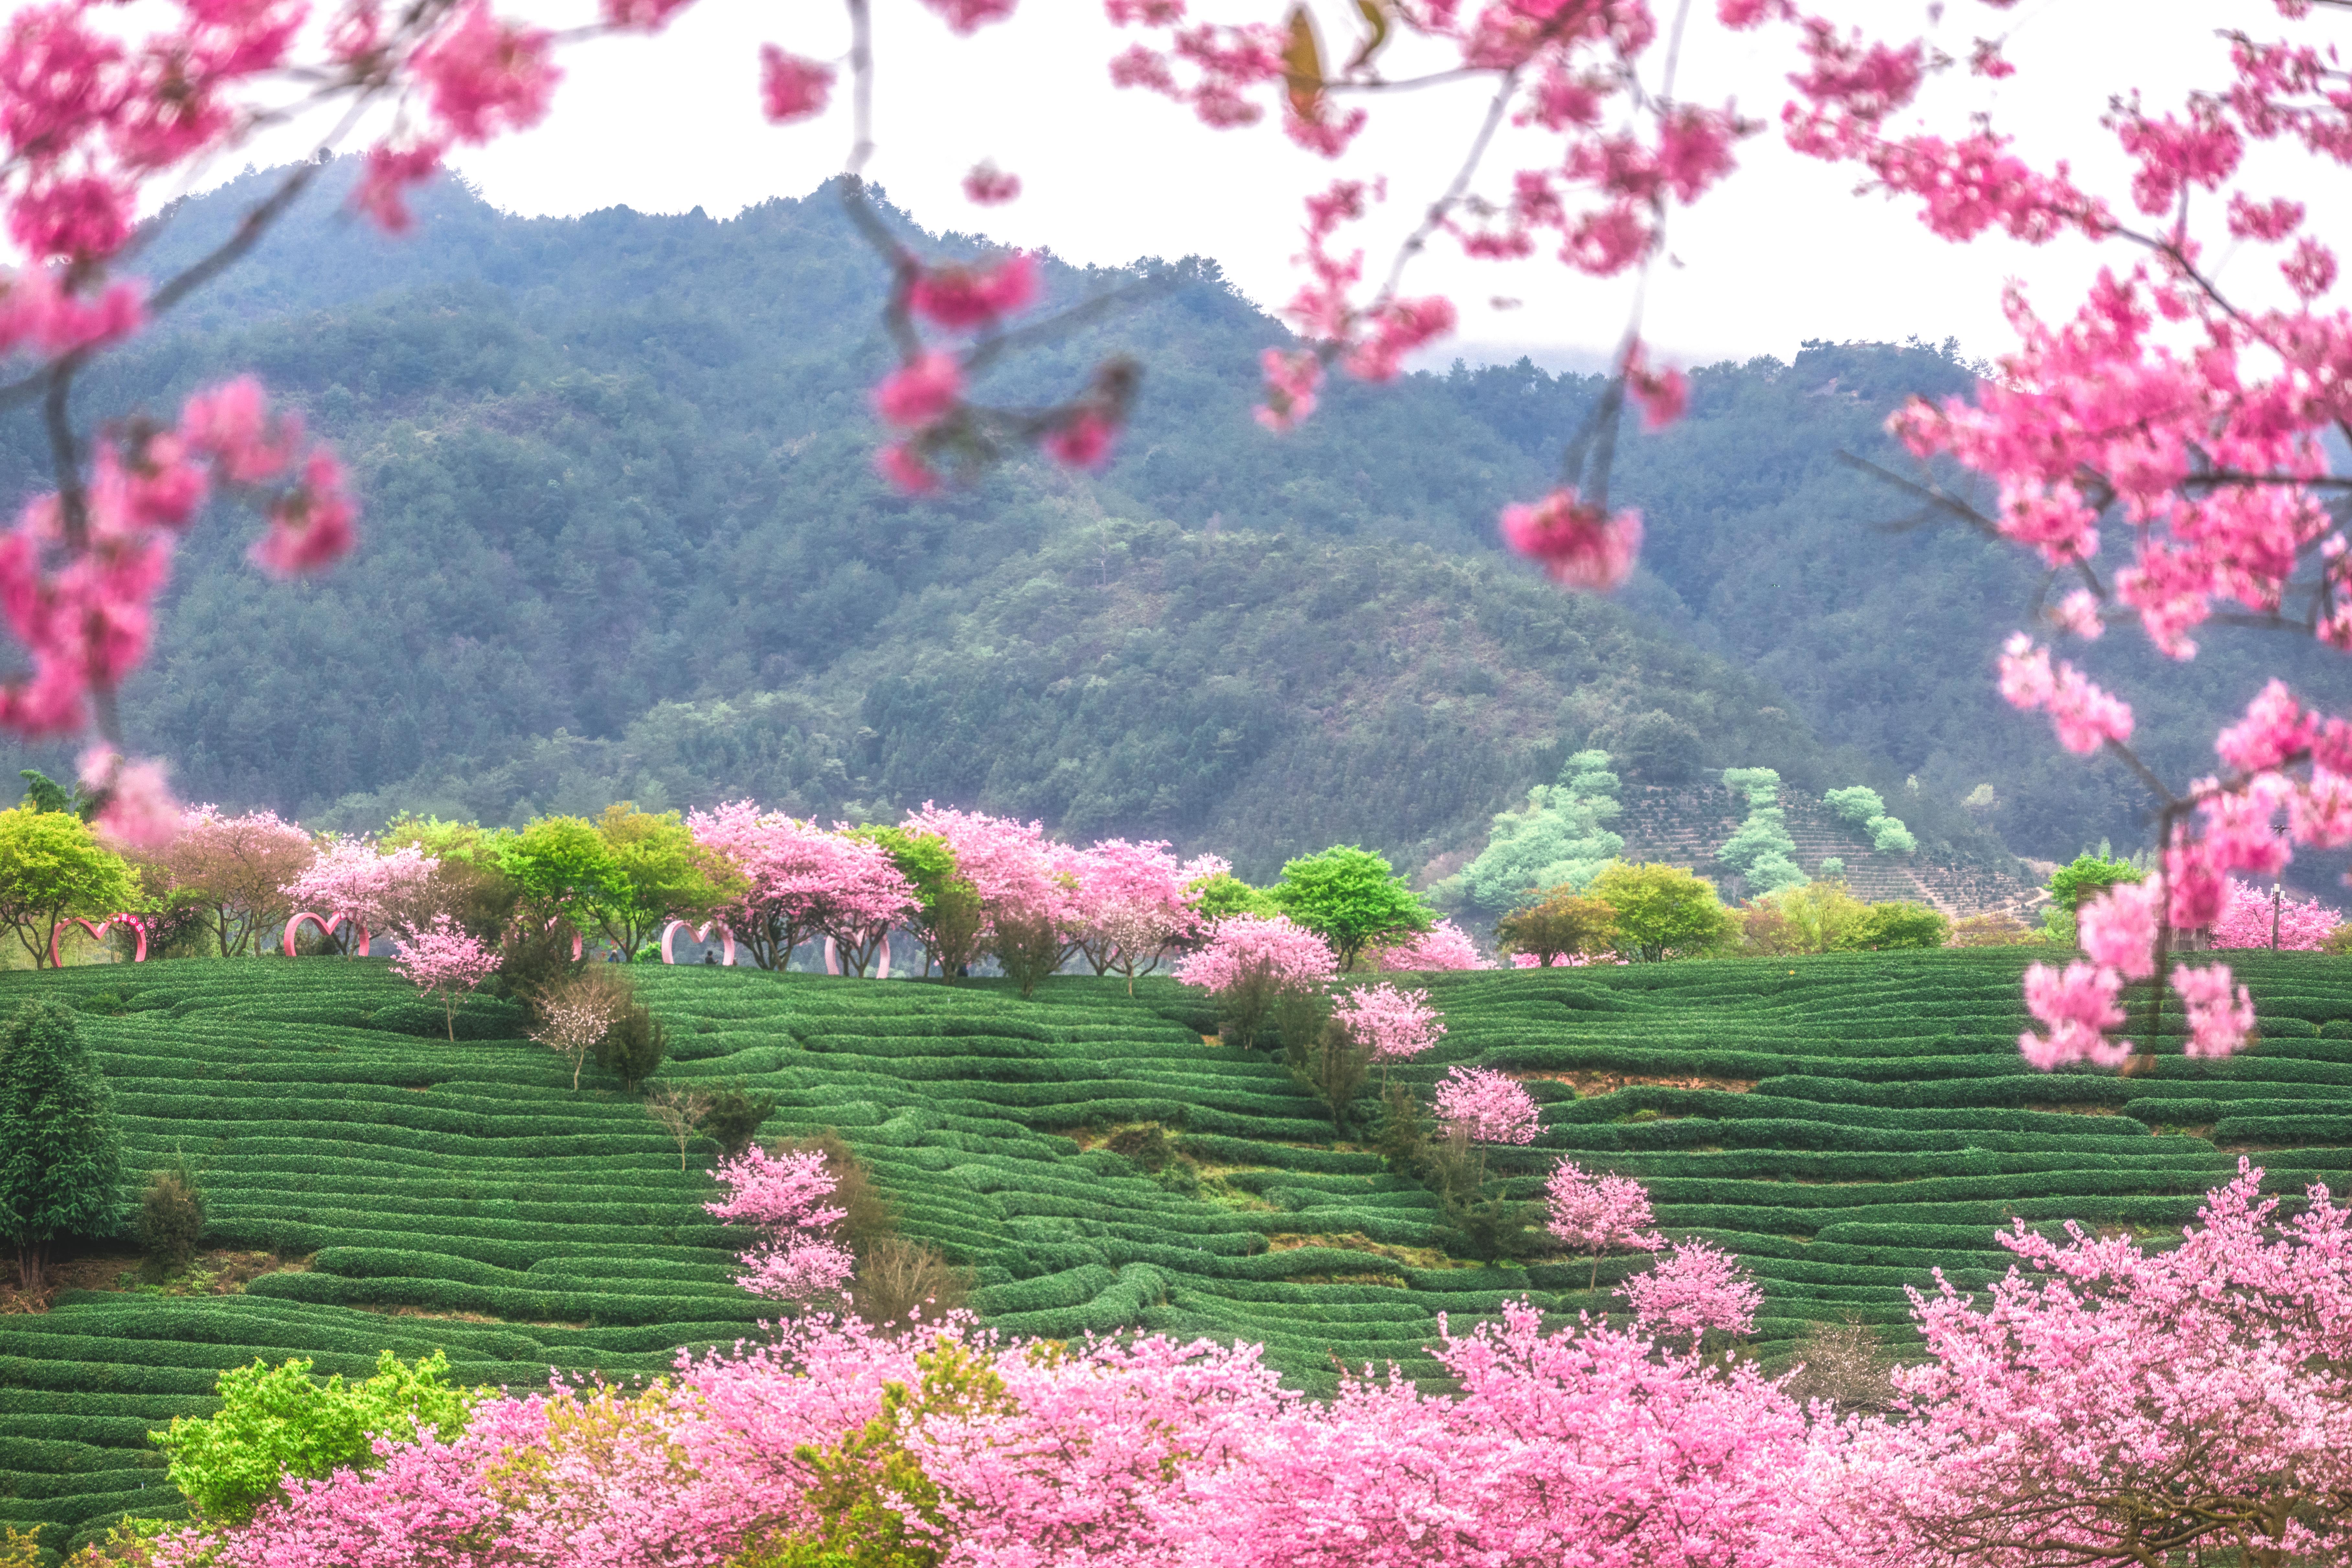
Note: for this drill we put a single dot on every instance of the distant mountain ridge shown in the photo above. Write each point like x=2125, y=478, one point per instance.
x=622, y=534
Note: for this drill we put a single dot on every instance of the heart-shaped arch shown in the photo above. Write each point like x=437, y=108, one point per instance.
x=326, y=925
x=726, y=938
x=98, y=933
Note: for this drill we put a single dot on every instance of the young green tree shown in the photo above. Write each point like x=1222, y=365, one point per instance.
x=53, y=870
x=1561, y=922
x=1351, y=899
x=561, y=868
x=949, y=920
x=276, y=1422
x=1664, y=911
x=1892, y=926
x=60, y=1150
x=1214, y=898
x=2087, y=877
x=655, y=871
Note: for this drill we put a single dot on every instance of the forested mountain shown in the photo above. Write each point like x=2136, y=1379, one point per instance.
x=621, y=537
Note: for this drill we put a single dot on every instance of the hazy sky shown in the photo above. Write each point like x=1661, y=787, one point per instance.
x=1784, y=252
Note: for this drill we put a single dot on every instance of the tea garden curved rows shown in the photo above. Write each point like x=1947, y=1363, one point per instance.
x=1843, y=1123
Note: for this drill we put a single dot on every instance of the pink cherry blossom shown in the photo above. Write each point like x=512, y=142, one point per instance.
x=387, y=177
x=791, y=86
x=1245, y=945
x=1290, y=382
x=968, y=15
x=1443, y=946
x=137, y=807
x=1487, y=1106
x=1696, y=1288
x=2087, y=717
x=356, y=880
x=1390, y=1025
x=2250, y=919
x=442, y=959
x=1128, y=909
x=985, y=185
x=1598, y=1213
x=1575, y=542
x=2078, y=1006
x=784, y=1197
x=483, y=75
x=2117, y=929
x=961, y=298
x=903, y=465
x=1081, y=441
x=920, y=391
x=2219, y=1019
x=803, y=883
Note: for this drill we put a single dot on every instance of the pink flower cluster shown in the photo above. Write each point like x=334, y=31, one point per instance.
x=82, y=603
x=354, y=878
x=1696, y=1288
x=1131, y=908
x=2250, y=919
x=783, y=1198
x=1242, y=947
x=442, y=959
x=1485, y=1106
x=1390, y=1025
x=1575, y=542
x=1597, y=1213
x=804, y=884
x=2078, y=1006
x=1443, y=946
x=2087, y=717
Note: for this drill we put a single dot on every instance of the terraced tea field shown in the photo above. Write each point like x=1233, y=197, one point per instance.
x=1843, y=1123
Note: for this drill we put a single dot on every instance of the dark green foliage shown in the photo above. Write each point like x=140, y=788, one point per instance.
x=2087, y=877
x=1335, y=1069
x=1028, y=945
x=60, y=1149
x=1890, y=926
x=534, y=957
x=733, y=1120
x=1299, y=1016
x=633, y=1047
x=1144, y=1146
x=171, y=1220
x=43, y=792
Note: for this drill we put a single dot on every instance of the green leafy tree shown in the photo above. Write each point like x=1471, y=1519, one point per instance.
x=1892, y=926
x=1861, y=805
x=1351, y=899
x=1761, y=850
x=1821, y=917
x=1561, y=839
x=1664, y=911
x=1562, y=923
x=52, y=870
x=60, y=1149
x=950, y=920
x=43, y=792
x=562, y=869
x=654, y=872
x=2088, y=877
x=276, y=1422
x=1224, y=894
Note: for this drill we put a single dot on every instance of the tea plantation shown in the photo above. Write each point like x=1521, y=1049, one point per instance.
x=1843, y=1123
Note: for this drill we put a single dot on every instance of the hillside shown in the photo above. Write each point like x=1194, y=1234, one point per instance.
x=1843, y=1123
x=618, y=498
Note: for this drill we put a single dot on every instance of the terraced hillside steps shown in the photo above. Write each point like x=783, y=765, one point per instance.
x=1842, y=1123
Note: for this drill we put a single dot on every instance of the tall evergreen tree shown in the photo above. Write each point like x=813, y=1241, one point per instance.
x=60, y=1149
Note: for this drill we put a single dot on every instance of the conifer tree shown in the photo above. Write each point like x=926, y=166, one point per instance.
x=60, y=1149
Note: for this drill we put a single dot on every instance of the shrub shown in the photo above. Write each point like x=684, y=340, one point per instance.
x=2339, y=941
x=681, y=1112
x=1028, y=945
x=1895, y=925
x=634, y=1047
x=533, y=960
x=1299, y=1016
x=866, y=1216
x=1997, y=929
x=60, y=1146
x=577, y=1011
x=1144, y=1144
x=897, y=1277
x=171, y=1221
x=276, y=1422
x=1335, y=1068
x=733, y=1120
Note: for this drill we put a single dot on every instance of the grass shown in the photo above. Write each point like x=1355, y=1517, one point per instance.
x=1843, y=1123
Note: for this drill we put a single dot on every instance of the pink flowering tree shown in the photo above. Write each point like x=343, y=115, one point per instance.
x=1027, y=884
x=1249, y=963
x=1389, y=1024
x=1476, y=1108
x=442, y=959
x=783, y=1199
x=1597, y=1213
x=803, y=884
x=1443, y=946
x=235, y=868
x=1129, y=908
x=368, y=887
x=2251, y=917
x=1694, y=1289
x=2111, y=1402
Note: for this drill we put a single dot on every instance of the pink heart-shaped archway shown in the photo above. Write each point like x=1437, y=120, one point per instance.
x=833, y=958
x=98, y=933
x=726, y=938
x=326, y=928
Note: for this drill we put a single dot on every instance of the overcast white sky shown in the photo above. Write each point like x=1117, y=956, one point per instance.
x=1785, y=251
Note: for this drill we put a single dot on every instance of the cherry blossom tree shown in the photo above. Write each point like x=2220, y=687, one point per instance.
x=2111, y=1402
x=1443, y=946
x=1249, y=963
x=442, y=959
x=1597, y=1213
x=367, y=886
x=805, y=883
x=2250, y=919
x=1695, y=1288
x=1485, y=1106
x=1389, y=1024
x=1129, y=908
x=783, y=1198
x=238, y=869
